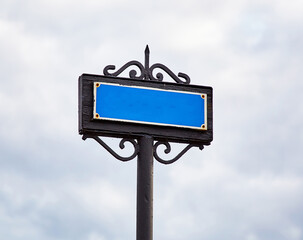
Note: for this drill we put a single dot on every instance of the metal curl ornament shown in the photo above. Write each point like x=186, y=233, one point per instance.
x=132, y=73
x=121, y=145
x=159, y=76
x=168, y=150
x=146, y=71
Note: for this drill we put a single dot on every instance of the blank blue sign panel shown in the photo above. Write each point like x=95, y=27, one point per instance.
x=149, y=106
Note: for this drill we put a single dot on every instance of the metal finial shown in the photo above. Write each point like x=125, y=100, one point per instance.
x=147, y=50
x=146, y=66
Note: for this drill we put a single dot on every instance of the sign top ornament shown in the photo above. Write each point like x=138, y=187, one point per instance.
x=147, y=71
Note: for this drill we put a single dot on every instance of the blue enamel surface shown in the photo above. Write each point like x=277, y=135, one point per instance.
x=149, y=105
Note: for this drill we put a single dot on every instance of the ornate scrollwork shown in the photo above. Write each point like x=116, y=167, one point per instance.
x=136, y=149
x=168, y=149
x=159, y=76
x=132, y=73
x=121, y=145
x=146, y=71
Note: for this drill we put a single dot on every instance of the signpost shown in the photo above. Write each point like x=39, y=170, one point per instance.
x=146, y=112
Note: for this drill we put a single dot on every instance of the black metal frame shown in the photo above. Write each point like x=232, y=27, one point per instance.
x=145, y=138
x=88, y=125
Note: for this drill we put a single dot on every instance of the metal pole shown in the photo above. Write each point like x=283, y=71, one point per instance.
x=145, y=189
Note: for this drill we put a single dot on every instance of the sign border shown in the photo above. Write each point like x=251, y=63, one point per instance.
x=203, y=95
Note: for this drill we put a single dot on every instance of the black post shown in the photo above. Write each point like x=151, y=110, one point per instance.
x=145, y=189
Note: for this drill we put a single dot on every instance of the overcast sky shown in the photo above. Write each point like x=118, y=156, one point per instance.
x=247, y=185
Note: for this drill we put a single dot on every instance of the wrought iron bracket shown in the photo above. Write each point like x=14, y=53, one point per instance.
x=168, y=149
x=137, y=149
x=146, y=71
x=121, y=145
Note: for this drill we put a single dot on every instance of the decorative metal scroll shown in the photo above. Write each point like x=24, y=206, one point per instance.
x=121, y=145
x=146, y=72
x=132, y=73
x=136, y=149
x=168, y=149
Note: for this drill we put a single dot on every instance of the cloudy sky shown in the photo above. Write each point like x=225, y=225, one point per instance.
x=247, y=185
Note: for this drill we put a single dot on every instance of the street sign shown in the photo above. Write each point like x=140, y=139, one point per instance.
x=146, y=105
x=123, y=107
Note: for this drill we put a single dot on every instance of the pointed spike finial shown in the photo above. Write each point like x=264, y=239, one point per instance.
x=147, y=49
x=146, y=65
